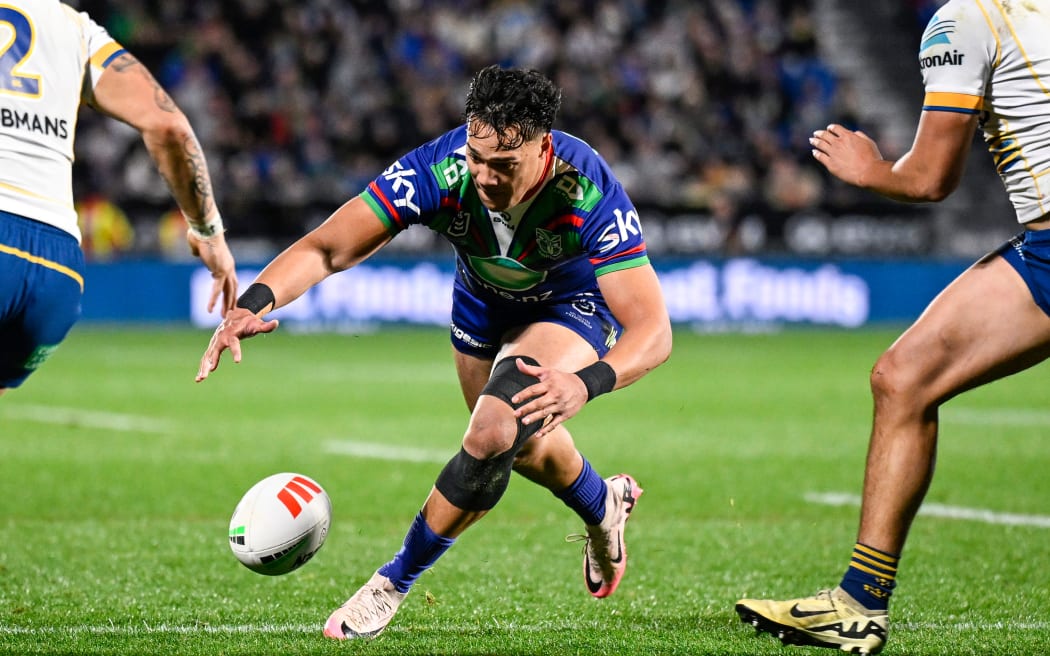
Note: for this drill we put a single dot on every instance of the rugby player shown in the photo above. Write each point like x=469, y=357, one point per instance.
x=986, y=64
x=554, y=303
x=55, y=58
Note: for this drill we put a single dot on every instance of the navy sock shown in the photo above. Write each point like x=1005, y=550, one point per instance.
x=421, y=549
x=586, y=495
x=871, y=577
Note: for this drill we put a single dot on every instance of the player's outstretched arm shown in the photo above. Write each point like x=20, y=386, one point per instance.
x=928, y=172
x=350, y=235
x=238, y=324
x=128, y=92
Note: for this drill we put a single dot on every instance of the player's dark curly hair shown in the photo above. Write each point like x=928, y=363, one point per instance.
x=518, y=104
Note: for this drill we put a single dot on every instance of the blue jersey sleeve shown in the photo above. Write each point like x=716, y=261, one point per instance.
x=407, y=192
x=611, y=233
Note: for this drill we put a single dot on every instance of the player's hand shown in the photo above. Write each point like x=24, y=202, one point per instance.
x=239, y=324
x=215, y=254
x=846, y=154
x=555, y=398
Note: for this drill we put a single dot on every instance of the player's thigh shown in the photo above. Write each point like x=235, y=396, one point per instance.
x=551, y=344
x=985, y=325
x=473, y=372
x=555, y=336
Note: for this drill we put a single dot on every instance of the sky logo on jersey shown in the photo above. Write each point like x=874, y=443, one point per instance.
x=401, y=182
x=625, y=227
x=937, y=33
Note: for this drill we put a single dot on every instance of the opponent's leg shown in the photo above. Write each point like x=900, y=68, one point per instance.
x=982, y=327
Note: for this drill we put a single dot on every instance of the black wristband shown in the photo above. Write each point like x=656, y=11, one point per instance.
x=257, y=297
x=598, y=377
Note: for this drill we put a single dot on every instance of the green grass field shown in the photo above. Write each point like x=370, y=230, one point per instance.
x=118, y=476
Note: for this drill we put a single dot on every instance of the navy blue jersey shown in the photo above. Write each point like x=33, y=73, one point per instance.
x=579, y=225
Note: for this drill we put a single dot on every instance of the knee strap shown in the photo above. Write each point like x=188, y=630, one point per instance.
x=504, y=383
x=473, y=484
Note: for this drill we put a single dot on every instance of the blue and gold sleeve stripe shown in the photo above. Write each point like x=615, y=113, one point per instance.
x=106, y=54
x=942, y=101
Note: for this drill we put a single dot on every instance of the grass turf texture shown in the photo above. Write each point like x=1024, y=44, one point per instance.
x=118, y=476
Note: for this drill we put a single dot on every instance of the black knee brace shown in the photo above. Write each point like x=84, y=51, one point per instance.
x=473, y=484
x=505, y=382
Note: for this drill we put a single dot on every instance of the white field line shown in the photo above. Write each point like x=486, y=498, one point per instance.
x=996, y=416
x=112, y=421
x=387, y=451
x=273, y=629
x=940, y=510
x=159, y=629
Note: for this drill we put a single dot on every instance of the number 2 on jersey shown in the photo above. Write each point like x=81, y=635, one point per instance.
x=12, y=53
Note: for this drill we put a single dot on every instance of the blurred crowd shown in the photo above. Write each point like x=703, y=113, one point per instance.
x=698, y=106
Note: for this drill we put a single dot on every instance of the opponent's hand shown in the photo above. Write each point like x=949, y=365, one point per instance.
x=846, y=154
x=215, y=254
x=239, y=324
x=555, y=398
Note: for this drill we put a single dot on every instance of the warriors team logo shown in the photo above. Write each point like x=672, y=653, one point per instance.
x=548, y=244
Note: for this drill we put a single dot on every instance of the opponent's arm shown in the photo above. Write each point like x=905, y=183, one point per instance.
x=928, y=172
x=350, y=235
x=128, y=92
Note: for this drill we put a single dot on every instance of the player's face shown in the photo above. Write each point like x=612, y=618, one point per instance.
x=503, y=176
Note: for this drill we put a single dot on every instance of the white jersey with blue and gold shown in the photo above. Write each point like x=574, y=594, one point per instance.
x=992, y=58
x=48, y=52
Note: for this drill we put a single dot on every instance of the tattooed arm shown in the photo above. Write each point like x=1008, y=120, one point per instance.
x=128, y=92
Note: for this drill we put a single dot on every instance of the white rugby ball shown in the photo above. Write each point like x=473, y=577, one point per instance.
x=280, y=523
